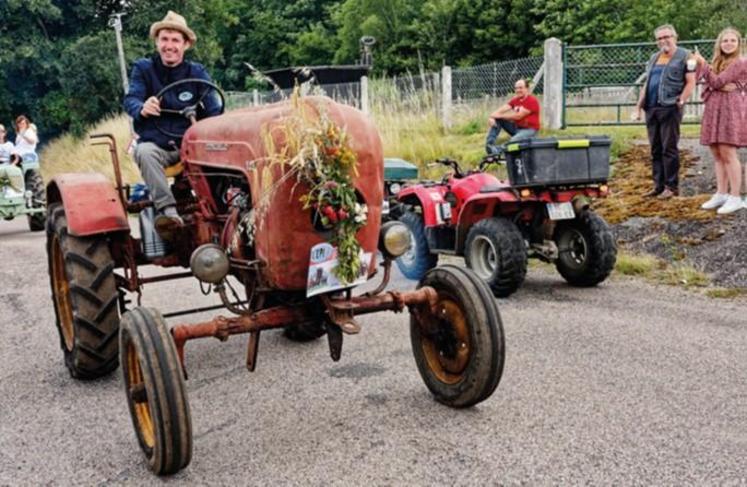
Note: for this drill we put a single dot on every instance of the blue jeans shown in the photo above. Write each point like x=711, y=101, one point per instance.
x=515, y=132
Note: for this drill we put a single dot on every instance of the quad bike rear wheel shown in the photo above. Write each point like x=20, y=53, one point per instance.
x=81, y=272
x=459, y=346
x=496, y=251
x=418, y=259
x=35, y=184
x=156, y=393
x=586, y=249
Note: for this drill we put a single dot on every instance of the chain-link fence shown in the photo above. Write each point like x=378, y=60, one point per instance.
x=422, y=93
x=602, y=83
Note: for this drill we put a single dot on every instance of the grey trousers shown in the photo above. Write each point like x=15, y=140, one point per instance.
x=152, y=160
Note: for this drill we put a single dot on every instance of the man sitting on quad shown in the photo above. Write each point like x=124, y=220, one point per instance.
x=520, y=117
x=159, y=135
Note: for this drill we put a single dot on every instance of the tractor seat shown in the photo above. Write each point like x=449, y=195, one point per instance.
x=174, y=170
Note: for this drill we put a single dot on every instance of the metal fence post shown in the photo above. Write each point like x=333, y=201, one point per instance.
x=255, y=97
x=552, y=99
x=364, y=95
x=446, y=96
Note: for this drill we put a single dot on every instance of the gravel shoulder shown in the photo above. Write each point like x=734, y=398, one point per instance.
x=677, y=230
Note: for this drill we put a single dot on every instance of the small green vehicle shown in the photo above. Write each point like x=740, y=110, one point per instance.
x=22, y=191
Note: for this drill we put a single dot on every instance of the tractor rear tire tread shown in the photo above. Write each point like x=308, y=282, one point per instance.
x=35, y=184
x=93, y=295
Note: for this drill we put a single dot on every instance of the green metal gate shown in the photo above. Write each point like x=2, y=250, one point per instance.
x=602, y=82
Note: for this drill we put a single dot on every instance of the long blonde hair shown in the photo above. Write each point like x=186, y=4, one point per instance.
x=721, y=61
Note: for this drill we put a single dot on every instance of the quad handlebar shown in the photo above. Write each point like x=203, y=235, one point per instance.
x=454, y=165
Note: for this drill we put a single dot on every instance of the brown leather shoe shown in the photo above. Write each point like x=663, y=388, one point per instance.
x=667, y=193
x=167, y=227
x=652, y=193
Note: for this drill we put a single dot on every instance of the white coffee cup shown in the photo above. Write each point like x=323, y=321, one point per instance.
x=691, y=64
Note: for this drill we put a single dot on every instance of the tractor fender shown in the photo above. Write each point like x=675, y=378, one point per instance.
x=91, y=203
x=478, y=207
x=426, y=198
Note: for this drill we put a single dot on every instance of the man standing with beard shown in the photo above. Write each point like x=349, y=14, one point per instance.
x=670, y=80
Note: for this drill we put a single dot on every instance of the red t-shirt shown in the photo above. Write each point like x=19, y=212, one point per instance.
x=531, y=121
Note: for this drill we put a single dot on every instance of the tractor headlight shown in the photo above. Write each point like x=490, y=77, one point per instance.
x=395, y=188
x=209, y=263
x=394, y=239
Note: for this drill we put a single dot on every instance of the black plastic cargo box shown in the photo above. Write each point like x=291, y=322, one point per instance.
x=551, y=161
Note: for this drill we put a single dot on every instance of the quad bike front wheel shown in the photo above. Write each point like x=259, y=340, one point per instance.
x=418, y=259
x=84, y=291
x=156, y=393
x=35, y=184
x=586, y=249
x=459, y=346
x=496, y=251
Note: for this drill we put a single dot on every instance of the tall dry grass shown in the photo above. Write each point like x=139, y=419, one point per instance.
x=407, y=113
x=70, y=154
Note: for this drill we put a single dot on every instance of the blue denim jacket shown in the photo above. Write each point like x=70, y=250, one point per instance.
x=672, y=80
x=149, y=75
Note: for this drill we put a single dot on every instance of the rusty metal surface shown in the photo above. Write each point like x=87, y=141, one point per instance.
x=92, y=205
x=287, y=234
x=109, y=141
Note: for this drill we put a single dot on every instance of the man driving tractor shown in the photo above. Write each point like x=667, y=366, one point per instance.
x=160, y=129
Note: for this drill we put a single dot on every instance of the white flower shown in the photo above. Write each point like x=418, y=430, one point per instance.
x=361, y=213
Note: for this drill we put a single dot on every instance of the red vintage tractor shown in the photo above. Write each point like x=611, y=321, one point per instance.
x=272, y=269
x=542, y=211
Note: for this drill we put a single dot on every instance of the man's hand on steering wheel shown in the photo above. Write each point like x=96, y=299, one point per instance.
x=189, y=112
x=151, y=107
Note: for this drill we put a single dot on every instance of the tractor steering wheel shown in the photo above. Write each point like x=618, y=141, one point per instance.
x=189, y=112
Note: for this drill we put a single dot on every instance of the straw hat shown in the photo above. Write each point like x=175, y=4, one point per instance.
x=173, y=21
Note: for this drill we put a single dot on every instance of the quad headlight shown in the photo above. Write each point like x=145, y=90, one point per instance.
x=394, y=239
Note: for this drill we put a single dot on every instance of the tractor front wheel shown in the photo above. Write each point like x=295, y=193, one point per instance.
x=81, y=272
x=459, y=344
x=156, y=393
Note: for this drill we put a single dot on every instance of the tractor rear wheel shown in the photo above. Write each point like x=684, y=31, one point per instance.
x=35, y=184
x=81, y=272
x=496, y=251
x=459, y=345
x=156, y=393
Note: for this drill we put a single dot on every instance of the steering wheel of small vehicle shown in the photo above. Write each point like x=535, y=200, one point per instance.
x=188, y=112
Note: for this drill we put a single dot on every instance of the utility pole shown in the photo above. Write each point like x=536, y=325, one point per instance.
x=116, y=23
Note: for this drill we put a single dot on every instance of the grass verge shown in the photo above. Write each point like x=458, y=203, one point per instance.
x=659, y=271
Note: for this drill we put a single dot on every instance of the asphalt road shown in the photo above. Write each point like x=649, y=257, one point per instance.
x=626, y=383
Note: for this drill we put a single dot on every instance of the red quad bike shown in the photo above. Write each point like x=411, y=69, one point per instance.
x=261, y=277
x=543, y=211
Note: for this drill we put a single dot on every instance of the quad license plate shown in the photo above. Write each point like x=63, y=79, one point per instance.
x=561, y=211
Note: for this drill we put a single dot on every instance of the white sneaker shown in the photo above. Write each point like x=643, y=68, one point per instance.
x=716, y=200
x=733, y=203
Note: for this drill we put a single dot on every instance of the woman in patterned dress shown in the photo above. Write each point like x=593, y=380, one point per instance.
x=722, y=124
